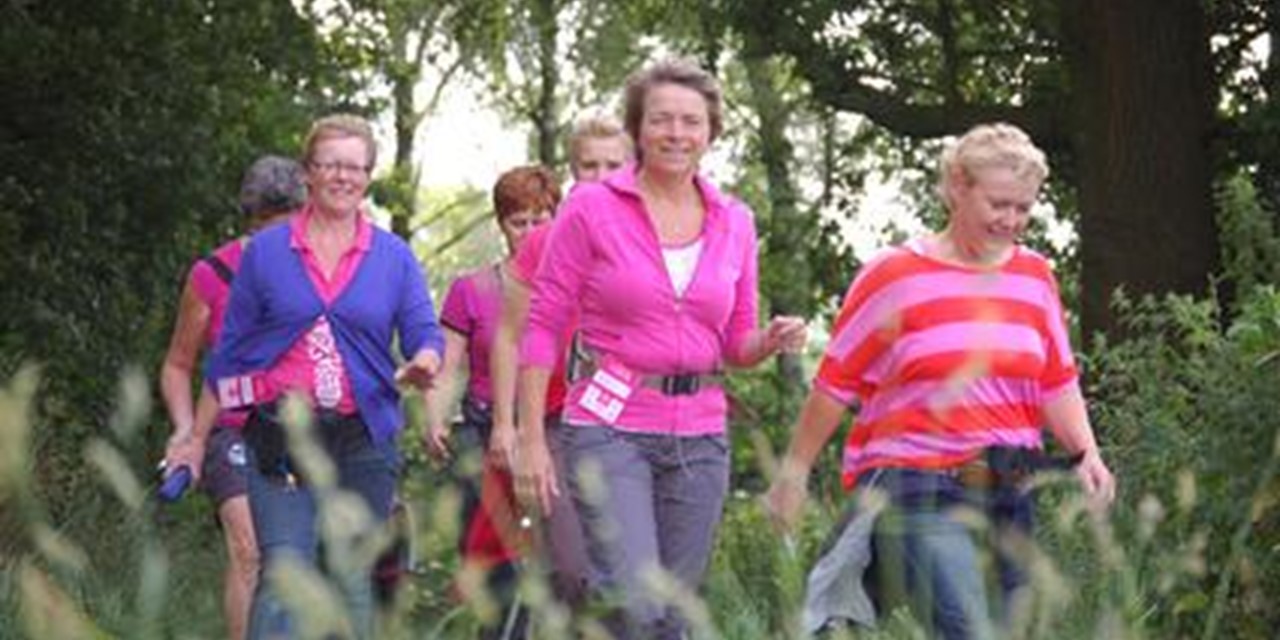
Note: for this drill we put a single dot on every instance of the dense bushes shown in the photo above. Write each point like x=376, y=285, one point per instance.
x=123, y=133
x=1188, y=412
x=1191, y=415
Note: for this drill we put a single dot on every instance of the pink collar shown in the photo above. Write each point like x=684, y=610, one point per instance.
x=298, y=229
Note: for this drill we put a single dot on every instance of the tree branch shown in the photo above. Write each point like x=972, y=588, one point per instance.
x=898, y=114
x=837, y=82
x=436, y=216
x=471, y=225
x=437, y=94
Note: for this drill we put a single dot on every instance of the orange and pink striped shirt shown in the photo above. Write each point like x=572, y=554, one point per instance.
x=945, y=360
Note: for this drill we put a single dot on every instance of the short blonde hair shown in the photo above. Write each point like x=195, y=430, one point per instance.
x=992, y=145
x=339, y=125
x=594, y=126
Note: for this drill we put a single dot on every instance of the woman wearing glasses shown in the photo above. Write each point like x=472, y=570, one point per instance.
x=313, y=314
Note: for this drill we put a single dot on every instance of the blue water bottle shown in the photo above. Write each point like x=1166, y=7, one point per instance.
x=175, y=484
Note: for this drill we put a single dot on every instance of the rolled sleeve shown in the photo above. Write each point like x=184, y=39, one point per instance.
x=1060, y=371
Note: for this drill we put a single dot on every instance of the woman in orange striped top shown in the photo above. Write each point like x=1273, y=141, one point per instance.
x=950, y=346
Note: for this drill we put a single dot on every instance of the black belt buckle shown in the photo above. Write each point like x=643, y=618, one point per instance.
x=683, y=384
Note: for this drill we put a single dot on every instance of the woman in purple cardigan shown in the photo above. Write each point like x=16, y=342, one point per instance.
x=313, y=314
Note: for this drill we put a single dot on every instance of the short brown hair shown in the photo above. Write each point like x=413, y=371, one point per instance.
x=677, y=72
x=528, y=188
x=339, y=125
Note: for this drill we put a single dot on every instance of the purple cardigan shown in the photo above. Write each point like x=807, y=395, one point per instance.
x=273, y=304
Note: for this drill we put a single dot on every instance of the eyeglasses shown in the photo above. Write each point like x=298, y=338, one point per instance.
x=334, y=168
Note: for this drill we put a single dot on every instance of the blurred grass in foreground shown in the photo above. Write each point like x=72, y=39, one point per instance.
x=1188, y=414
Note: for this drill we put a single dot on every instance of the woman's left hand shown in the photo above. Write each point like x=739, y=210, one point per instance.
x=787, y=334
x=420, y=372
x=1099, y=484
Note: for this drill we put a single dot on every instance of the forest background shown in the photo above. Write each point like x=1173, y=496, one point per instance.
x=125, y=126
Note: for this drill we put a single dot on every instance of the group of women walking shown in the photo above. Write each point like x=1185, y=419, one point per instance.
x=596, y=355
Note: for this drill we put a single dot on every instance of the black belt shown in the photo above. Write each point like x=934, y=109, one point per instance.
x=676, y=384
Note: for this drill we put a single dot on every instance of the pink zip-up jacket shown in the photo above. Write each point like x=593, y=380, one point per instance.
x=604, y=261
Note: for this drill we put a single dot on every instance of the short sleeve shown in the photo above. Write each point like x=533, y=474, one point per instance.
x=205, y=282
x=864, y=330
x=1060, y=371
x=456, y=311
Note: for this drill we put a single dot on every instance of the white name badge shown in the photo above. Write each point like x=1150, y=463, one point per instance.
x=607, y=391
x=236, y=392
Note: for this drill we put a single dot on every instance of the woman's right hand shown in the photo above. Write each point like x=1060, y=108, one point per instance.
x=436, y=442
x=502, y=446
x=535, y=474
x=185, y=451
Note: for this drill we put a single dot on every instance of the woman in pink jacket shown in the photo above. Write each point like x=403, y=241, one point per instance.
x=660, y=268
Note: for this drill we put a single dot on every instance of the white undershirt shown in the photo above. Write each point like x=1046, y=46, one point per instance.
x=681, y=262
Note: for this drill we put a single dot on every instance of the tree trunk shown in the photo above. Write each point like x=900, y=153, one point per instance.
x=1143, y=108
x=406, y=125
x=785, y=238
x=546, y=116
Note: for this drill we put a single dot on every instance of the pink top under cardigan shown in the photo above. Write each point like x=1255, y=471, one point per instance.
x=313, y=365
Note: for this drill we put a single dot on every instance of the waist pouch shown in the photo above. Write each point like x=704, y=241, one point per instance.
x=265, y=434
x=996, y=476
x=1004, y=467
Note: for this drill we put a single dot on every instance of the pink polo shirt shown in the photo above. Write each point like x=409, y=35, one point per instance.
x=214, y=292
x=212, y=289
x=603, y=260
x=313, y=364
x=473, y=308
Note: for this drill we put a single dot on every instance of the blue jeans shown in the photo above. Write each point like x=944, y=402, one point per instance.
x=926, y=556
x=660, y=505
x=285, y=521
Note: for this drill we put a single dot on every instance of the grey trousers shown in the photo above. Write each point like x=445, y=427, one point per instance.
x=562, y=531
x=647, y=502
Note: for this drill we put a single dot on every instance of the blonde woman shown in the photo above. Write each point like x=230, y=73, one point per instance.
x=953, y=348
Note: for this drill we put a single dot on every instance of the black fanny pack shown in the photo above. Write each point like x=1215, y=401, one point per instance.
x=264, y=433
x=1010, y=467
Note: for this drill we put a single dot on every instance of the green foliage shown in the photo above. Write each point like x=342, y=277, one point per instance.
x=1250, y=239
x=123, y=135
x=456, y=233
x=756, y=583
x=125, y=128
x=922, y=53
x=1189, y=415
